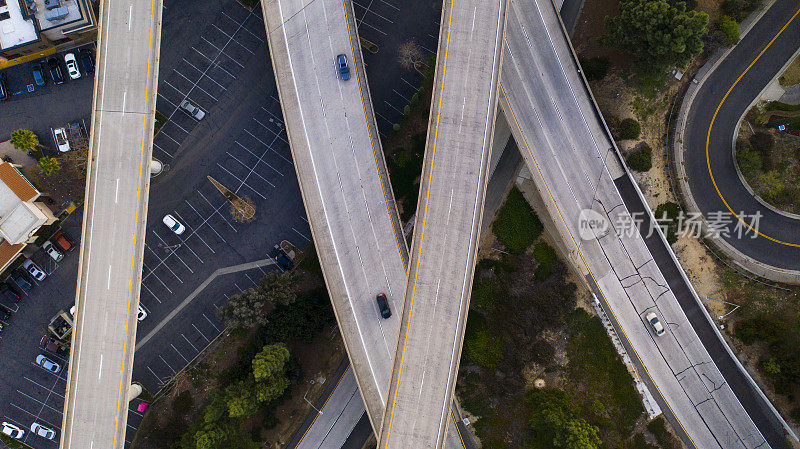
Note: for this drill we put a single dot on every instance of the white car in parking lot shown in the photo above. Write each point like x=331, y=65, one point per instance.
x=34, y=270
x=72, y=66
x=52, y=251
x=11, y=430
x=192, y=110
x=48, y=364
x=60, y=136
x=173, y=224
x=42, y=431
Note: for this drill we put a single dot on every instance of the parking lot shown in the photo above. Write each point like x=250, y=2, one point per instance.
x=48, y=106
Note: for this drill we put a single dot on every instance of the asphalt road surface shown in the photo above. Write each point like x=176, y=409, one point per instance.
x=95, y=413
x=708, y=141
x=343, y=180
x=575, y=167
x=452, y=190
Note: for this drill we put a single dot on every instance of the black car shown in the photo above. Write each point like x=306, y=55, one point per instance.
x=383, y=305
x=9, y=295
x=23, y=283
x=5, y=314
x=55, y=71
x=4, y=94
x=86, y=58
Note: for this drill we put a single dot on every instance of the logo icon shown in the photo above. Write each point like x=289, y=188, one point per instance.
x=591, y=225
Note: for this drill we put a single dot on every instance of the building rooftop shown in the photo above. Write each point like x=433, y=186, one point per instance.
x=18, y=216
x=55, y=13
x=16, y=27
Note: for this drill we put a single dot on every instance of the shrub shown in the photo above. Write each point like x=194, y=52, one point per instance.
x=629, y=129
x=739, y=9
x=748, y=160
x=763, y=143
x=546, y=256
x=594, y=68
x=483, y=349
x=728, y=29
x=516, y=226
x=667, y=216
x=641, y=158
x=183, y=402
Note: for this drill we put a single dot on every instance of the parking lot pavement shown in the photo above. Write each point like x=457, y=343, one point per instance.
x=389, y=24
x=48, y=106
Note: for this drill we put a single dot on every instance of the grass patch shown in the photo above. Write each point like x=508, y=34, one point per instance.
x=516, y=226
x=161, y=120
x=779, y=106
x=666, y=215
x=13, y=443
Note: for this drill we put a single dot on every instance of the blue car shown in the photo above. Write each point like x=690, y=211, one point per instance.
x=38, y=75
x=341, y=68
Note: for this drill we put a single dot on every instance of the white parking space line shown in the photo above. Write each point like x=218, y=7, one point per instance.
x=168, y=136
x=179, y=353
x=198, y=235
x=232, y=58
x=392, y=106
x=376, y=29
x=160, y=381
x=201, y=334
x=301, y=234
x=278, y=135
x=165, y=363
x=172, y=251
x=401, y=95
x=269, y=146
x=416, y=88
x=220, y=30
x=216, y=211
x=242, y=45
x=150, y=291
x=251, y=279
x=190, y=343
x=252, y=169
x=386, y=119
x=217, y=66
x=35, y=417
x=59, y=411
x=41, y=386
x=186, y=242
x=210, y=43
x=175, y=88
x=179, y=126
x=260, y=158
x=390, y=5
x=244, y=183
x=201, y=54
x=161, y=262
x=162, y=150
x=212, y=323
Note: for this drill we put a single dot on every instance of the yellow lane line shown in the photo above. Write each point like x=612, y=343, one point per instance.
x=422, y=231
x=120, y=399
x=536, y=164
x=397, y=236
x=708, y=138
x=316, y=415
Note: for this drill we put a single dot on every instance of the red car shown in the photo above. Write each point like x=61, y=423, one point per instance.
x=63, y=241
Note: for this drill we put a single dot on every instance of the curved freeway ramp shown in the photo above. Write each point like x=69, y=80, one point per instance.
x=584, y=185
x=708, y=140
x=112, y=245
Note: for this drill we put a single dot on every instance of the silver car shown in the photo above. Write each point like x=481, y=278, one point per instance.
x=34, y=270
x=42, y=431
x=652, y=318
x=48, y=364
x=192, y=110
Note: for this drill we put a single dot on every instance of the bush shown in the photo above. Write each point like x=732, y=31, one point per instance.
x=641, y=158
x=183, y=402
x=667, y=213
x=629, y=129
x=739, y=9
x=547, y=258
x=728, y=29
x=658, y=428
x=763, y=143
x=748, y=160
x=516, y=226
x=594, y=68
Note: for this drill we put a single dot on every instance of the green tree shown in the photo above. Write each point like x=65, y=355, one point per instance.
x=629, y=129
x=728, y=30
x=269, y=372
x=245, y=310
x=280, y=288
x=658, y=33
x=49, y=165
x=641, y=159
x=241, y=399
x=24, y=140
x=577, y=434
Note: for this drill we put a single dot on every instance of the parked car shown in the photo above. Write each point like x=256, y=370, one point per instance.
x=658, y=328
x=8, y=294
x=48, y=364
x=342, y=71
x=20, y=280
x=38, y=75
x=60, y=136
x=142, y=314
x=173, y=224
x=383, y=305
x=52, y=251
x=63, y=241
x=86, y=59
x=72, y=66
x=4, y=94
x=34, y=270
x=55, y=71
x=5, y=314
x=42, y=431
x=192, y=110
x=11, y=430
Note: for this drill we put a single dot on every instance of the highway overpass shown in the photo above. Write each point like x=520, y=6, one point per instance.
x=452, y=189
x=577, y=168
x=118, y=180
